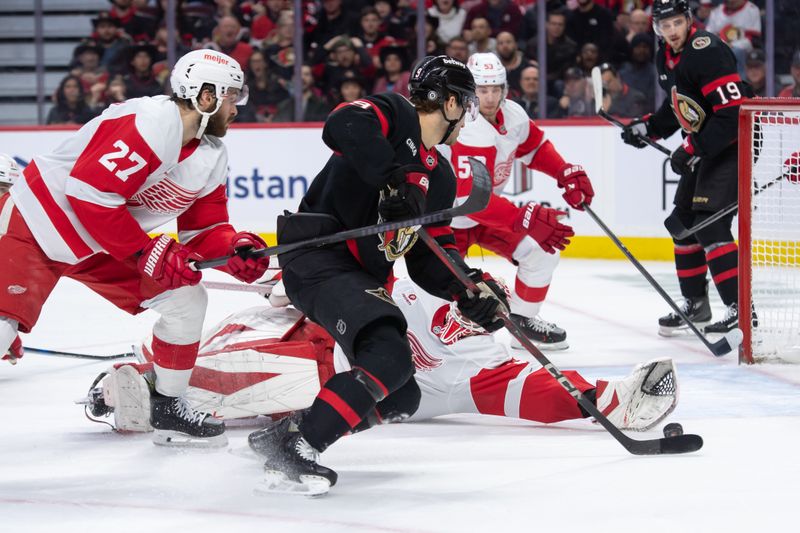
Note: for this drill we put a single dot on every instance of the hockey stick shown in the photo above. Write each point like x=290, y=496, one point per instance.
x=263, y=290
x=75, y=355
x=477, y=200
x=731, y=340
x=676, y=444
x=597, y=86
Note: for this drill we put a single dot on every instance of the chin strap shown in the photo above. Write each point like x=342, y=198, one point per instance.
x=451, y=123
x=205, y=116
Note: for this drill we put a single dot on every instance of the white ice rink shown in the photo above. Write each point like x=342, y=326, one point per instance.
x=61, y=473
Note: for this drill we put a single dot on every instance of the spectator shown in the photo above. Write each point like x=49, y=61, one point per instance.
x=793, y=91
x=141, y=80
x=480, y=39
x=315, y=108
x=279, y=49
x=108, y=35
x=590, y=23
x=266, y=90
x=333, y=22
x=394, y=62
x=588, y=58
x=70, y=103
x=529, y=96
x=198, y=20
x=115, y=91
x=502, y=15
x=160, y=42
x=227, y=40
x=457, y=48
x=138, y=26
x=433, y=46
x=640, y=72
x=639, y=23
x=577, y=100
x=755, y=73
x=702, y=13
x=561, y=50
x=347, y=61
x=265, y=20
x=787, y=38
x=451, y=19
x=512, y=59
x=623, y=101
x=738, y=22
x=86, y=60
x=350, y=90
x=394, y=19
x=369, y=34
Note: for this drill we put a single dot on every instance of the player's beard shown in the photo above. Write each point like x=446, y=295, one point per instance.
x=217, y=125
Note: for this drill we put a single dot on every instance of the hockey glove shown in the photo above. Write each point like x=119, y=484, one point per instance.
x=578, y=188
x=636, y=129
x=483, y=307
x=167, y=262
x=15, y=351
x=404, y=195
x=542, y=224
x=242, y=265
x=683, y=160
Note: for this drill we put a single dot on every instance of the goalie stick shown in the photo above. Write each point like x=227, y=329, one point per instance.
x=728, y=342
x=597, y=86
x=477, y=200
x=666, y=445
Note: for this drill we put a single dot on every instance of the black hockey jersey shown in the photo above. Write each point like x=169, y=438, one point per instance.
x=704, y=92
x=369, y=138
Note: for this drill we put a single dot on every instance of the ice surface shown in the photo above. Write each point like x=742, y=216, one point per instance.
x=61, y=473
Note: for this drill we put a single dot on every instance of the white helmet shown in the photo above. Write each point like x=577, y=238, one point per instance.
x=9, y=171
x=207, y=66
x=487, y=69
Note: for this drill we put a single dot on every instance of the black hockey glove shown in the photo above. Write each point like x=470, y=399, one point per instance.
x=482, y=307
x=404, y=194
x=636, y=129
x=683, y=162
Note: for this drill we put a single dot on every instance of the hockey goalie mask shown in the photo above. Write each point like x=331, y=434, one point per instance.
x=488, y=71
x=9, y=171
x=212, y=67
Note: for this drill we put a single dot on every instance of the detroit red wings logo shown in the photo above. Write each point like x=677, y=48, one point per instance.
x=451, y=328
x=164, y=197
x=423, y=361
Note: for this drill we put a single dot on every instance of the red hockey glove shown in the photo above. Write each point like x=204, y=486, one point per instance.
x=542, y=224
x=482, y=307
x=15, y=351
x=578, y=188
x=242, y=265
x=167, y=263
x=404, y=196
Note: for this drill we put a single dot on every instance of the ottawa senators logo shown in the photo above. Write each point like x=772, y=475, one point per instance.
x=394, y=244
x=688, y=112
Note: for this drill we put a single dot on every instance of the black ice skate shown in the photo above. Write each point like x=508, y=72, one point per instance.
x=545, y=335
x=697, y=309
x=177, y=424
x=291, y=463
x=728, y=322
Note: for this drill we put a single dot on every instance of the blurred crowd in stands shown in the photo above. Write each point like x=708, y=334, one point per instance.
x=357, y=47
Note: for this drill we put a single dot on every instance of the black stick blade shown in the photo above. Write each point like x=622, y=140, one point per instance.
x=681, y=444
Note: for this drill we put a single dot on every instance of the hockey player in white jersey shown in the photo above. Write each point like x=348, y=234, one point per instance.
x=9, y=173
x=532, y=235
x=84, y=210
x=273, y=361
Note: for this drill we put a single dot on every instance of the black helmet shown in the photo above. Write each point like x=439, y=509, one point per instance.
x=435, y=78
x=663, y=9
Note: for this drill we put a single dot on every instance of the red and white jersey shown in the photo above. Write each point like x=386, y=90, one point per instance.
x=514, y=137
x=730, y=23
x=120, y=176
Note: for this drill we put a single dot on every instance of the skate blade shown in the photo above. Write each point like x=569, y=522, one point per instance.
x=176, y=439
x=276, y=482
x=681, y=331
x=543, y=346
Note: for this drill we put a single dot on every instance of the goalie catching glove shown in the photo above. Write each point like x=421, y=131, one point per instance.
x=404, y=194
x=482, y=307
x=542, y=224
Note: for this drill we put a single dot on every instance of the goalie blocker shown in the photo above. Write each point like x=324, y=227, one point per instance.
x=272, y=361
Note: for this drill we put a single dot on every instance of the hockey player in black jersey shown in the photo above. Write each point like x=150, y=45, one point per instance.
x=384, y=167
x=698, y=72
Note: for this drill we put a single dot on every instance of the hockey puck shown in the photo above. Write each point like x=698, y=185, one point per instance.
x=673, y=429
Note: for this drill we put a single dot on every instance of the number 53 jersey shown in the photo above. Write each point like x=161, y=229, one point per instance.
x=119, y=176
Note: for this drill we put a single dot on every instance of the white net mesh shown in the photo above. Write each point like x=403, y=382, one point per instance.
x=775, y=235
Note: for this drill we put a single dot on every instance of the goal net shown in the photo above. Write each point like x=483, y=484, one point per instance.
x=769, y=230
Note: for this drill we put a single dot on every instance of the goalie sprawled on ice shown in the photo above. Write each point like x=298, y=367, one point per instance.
x=267, y=361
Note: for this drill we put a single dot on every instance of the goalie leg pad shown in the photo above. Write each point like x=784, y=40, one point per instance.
x=641, y=400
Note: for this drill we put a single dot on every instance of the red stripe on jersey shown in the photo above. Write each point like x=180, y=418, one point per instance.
x=56, y=215
x=366, y=104
x=188, y=149
x=353, y=247
x=547, y=160
x=728, y=274
x=438, y=231
x=114, y=228
x=710, y=87
x=535, y=137
x=530, y=294
x=690, y=272
x=732, y=103
x=340, y=406
x=205, y=211
x=721, y=250
x=685, y=250
x=489, y=387
x=174, y=356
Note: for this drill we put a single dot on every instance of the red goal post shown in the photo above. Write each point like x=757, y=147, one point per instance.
x=769, y=230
